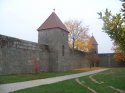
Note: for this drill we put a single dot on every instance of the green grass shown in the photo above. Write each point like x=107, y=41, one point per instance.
x=68, y=86
x=114, y=77
x=25, y=77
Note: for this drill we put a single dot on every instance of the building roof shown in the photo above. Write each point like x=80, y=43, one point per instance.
x=93, y=40
x=52, y=21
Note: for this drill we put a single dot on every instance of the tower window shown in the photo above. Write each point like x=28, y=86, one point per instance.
x=62, y=50
x=95, y=52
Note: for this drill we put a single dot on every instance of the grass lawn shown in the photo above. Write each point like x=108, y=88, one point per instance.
x=114, y=77
x=25, y=77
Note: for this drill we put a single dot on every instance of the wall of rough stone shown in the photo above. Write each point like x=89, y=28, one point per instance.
x=17, y=60
x=57, y=40
x=107, y=60
x=61, y=56
x=19, y=56
x=71, y=60
x=53, y=37
x=78, y=59
x=1, y=61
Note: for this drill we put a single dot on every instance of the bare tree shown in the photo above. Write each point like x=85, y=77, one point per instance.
x=77, y=31
x=93, y=59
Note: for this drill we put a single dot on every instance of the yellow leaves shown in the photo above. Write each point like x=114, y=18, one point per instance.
x=90, y=44
x=78, y=36
x=78, y=33
x=82, y=45
x=119, y=56
x=79, y=44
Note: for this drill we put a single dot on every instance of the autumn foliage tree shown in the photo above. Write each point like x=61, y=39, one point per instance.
x=78, y=35
x=80, y=40
x=119, y=56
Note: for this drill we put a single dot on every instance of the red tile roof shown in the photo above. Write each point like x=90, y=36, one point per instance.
x=52, y=21
x=93, y=40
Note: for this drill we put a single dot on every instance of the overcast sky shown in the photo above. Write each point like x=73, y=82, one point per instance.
x=21, y=18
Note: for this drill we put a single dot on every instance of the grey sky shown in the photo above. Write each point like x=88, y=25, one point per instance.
x=21, y=18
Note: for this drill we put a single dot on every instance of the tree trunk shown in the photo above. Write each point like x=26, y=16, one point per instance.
x=73, y=43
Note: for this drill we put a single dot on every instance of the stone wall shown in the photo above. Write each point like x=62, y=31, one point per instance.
x=57, y=40
x=107, y=60
x=19, y=56
x=78, y=59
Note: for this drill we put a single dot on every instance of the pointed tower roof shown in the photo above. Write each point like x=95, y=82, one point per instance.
x=52, y=21
x=93, y=40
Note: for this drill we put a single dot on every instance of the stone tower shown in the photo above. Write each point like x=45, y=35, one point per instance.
x=54, y=34
x=95, y=45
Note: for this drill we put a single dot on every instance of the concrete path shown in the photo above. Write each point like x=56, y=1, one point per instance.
x=5, y=88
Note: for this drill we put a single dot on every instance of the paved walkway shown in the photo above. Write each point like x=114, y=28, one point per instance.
x=5, y=88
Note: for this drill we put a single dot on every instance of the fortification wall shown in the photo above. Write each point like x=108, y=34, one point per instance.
x=72, y=60
x=107, y=60
x=78, y=60
x=19, y=56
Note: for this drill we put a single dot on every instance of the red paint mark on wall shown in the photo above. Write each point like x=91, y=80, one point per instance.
x=36, y=65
